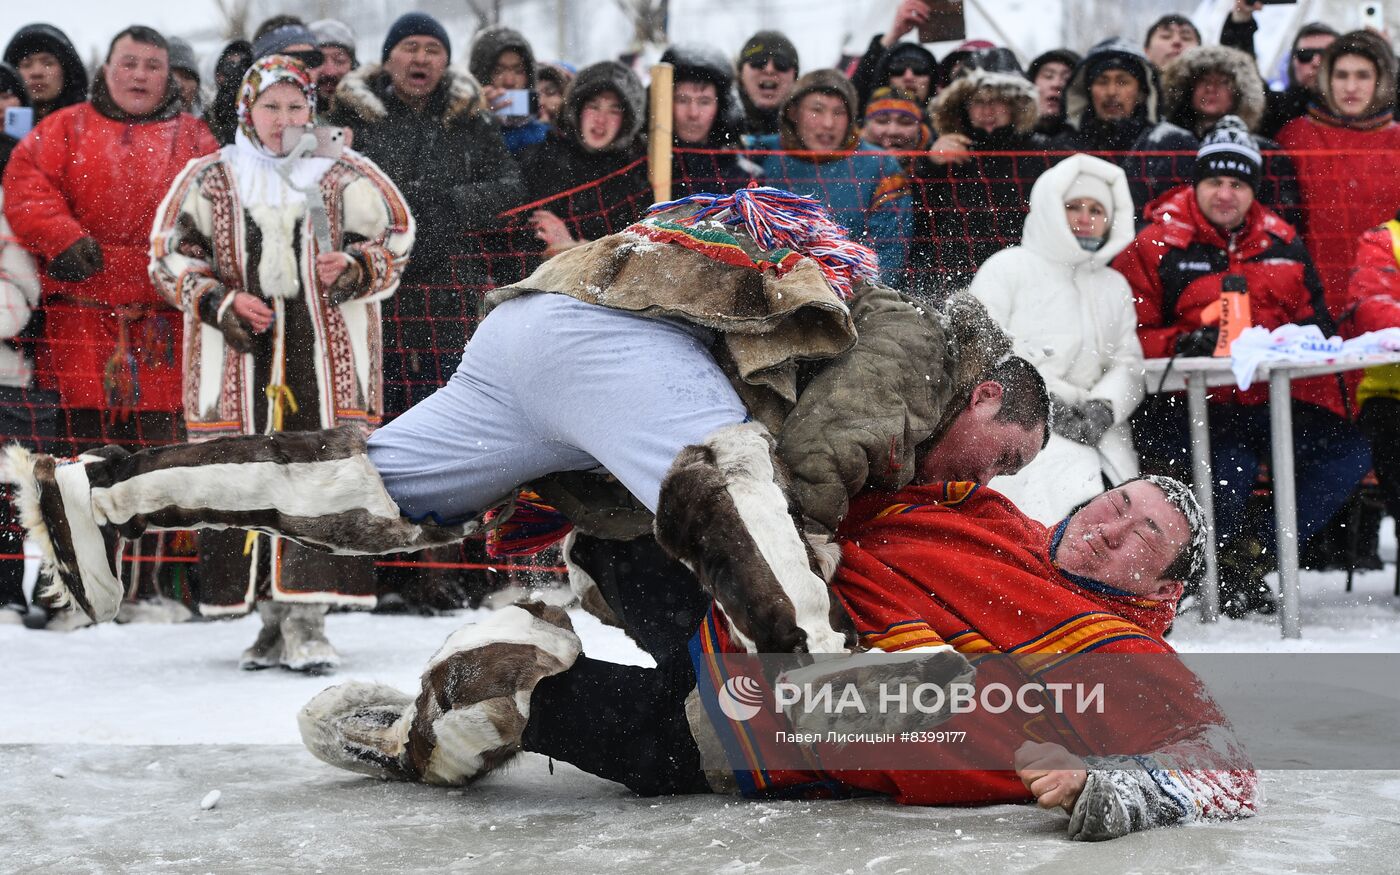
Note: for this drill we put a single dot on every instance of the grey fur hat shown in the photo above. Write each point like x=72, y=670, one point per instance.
x=330, y=32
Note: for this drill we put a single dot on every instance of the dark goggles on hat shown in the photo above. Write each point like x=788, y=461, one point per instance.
x=780, y=63
x=917, y=68
x=312, y=58
x=1306, y=56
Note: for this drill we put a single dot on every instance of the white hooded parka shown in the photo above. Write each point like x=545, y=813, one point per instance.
x=1072, y=316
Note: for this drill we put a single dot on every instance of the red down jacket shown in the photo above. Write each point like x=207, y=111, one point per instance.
x=82, y=174
x=1350, y=180
x=1177, y=265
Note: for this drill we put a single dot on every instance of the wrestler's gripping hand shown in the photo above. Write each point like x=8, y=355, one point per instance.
x=1053, y=775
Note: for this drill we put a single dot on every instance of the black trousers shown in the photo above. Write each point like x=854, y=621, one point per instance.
x=1380, y=421
x=623, y=722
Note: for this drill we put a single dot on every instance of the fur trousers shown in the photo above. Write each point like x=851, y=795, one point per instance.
x=725, y=510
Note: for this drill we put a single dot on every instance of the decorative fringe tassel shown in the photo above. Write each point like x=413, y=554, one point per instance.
x=780, y=219
x=531, y=528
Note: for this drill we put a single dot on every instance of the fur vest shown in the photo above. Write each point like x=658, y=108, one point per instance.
x=845, y=387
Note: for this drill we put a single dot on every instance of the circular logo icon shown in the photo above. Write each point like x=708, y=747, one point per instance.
x=740, y=698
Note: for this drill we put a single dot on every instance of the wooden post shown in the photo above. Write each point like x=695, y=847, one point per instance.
x=659, y=135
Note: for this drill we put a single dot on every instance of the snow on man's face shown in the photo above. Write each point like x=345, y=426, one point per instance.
x=978, y=445
x=1127, y=538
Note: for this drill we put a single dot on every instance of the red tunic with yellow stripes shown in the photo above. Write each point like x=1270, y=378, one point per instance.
x=956, y=563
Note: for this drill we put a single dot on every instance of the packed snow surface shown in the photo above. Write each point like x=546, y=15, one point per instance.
x=114, y=739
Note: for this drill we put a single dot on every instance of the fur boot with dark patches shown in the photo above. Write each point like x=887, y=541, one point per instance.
x=304, y=644
x=266, y=649
x=470, y=712
x=317, y=488
x=726, y=512
x=79, y=553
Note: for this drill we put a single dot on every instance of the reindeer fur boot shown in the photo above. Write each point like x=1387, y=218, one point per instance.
x=727, y=513
x=318, y=488
x=304, y=644
x=471, y=708
x=266, y=649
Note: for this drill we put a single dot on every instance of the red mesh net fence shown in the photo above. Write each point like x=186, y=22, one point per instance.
x=942, y=219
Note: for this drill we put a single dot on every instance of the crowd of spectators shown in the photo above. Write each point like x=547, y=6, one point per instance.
x=141, y=262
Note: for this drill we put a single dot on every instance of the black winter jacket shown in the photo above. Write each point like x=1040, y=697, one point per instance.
x=449, y=161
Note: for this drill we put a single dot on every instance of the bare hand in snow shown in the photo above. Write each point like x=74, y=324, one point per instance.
x=1054, y=776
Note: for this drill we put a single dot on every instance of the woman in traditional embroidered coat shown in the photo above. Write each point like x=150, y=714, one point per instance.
x=282, y=332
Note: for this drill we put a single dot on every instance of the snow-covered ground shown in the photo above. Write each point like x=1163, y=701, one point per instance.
x=111, y=736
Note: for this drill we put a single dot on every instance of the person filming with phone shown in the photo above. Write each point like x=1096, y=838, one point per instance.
x=502, y=61
x=279, y=249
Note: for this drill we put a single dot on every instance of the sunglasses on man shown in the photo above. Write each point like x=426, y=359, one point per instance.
x=1307, y=56
x=914, y=68
x=782, y=65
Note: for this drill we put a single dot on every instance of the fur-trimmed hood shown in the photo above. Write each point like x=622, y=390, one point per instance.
x=826, y=81
x=949, y=109
x=363, y=91
x=1181, y=75
x=488, y=45
x=1076, y=97
x=589, y=83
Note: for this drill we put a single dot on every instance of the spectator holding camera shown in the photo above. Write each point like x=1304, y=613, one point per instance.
x=890, y=63
x=52, y=70
x=502, y=61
